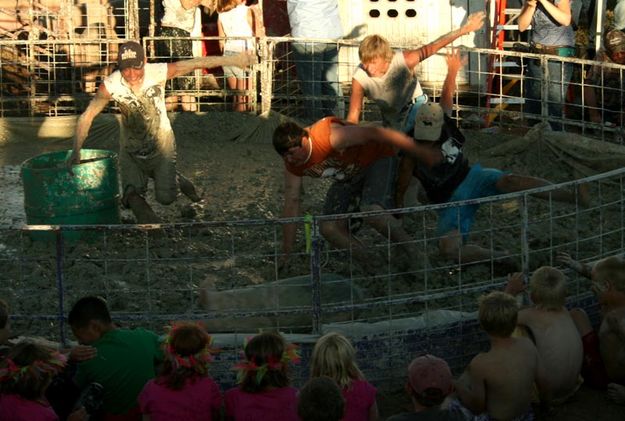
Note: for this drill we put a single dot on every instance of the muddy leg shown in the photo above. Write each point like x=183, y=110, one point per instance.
x=187, y=188
x=140, y=208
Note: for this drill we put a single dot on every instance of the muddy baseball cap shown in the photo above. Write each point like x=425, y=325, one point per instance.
x=429, y=122
x=430, y=372
x=614, y=41
x=130, y=54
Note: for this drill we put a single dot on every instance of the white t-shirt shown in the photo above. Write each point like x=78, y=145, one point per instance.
x=393, y=91
x=177, y=16
x=234, y=23
x=146, y=128
x=314, y=18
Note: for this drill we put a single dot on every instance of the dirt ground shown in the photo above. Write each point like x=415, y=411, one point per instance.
x=230, y=159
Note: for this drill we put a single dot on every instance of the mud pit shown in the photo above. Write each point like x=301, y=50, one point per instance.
x=155, y=275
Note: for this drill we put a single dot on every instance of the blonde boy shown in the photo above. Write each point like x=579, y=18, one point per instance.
x=552, y=329
x=499, y=382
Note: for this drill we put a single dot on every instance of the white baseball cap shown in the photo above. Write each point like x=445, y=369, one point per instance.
x=429, y=122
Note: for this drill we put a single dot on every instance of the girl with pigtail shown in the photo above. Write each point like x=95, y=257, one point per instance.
x=183, y=390
x=264, y=391
x=25, y=375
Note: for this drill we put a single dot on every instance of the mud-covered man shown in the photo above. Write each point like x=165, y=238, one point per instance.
x=147, y=142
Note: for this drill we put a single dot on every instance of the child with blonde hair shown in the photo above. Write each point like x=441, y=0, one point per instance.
x=183, y=390
x=335, y=357
x=264, y=391
x=25, y=375
x=236, y=19
x=499, y=383
x=550, y=326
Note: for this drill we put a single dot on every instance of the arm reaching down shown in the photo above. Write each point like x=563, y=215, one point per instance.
x=183, y=67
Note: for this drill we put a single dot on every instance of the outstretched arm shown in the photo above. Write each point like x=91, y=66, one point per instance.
x=342, y=137
x=95, y=107
x=527, y=13
x=183, y=67
x=414, y=57
x=355, y=102
x=454, y=62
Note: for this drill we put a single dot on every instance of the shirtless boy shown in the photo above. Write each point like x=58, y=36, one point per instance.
x=499, y=382
x=550, y=326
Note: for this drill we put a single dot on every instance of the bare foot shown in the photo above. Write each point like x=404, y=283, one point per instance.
x=616, y=393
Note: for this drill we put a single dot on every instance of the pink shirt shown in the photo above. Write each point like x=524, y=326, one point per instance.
x=16, y=408
x=359, y=396
x=195, y=401
x=275, y=404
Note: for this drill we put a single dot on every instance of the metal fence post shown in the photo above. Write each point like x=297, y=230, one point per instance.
x=315, y=275
x=525, y=254
x=60, y=256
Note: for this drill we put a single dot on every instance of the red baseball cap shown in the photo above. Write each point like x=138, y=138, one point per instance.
x=430, y=372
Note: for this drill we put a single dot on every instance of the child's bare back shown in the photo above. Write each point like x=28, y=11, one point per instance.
x=612, y=339
x=507, y=371
x=559, y=346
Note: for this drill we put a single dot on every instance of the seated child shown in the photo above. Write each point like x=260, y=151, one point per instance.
x=25, y=375
x=125, y=358
x=320, y=400
x=5, y=328
x=604, y=353
x=264, y=391
x=183, y=390
x=552, y=329
x=429, y=383
x=335, y=357
x=499, y=382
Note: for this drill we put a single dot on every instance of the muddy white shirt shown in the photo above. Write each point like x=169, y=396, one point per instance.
x=392, y=92
x=146, y=129
x=235, y=24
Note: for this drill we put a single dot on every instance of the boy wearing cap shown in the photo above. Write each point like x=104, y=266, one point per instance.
x=451, y=178
x=429, y=383
x=147, y=142
x=498, y=384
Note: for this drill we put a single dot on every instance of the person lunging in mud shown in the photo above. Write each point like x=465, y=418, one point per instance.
x=453, y=179
x=147, y=142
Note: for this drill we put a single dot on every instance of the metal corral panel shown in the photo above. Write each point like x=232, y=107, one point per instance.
x=411, y=23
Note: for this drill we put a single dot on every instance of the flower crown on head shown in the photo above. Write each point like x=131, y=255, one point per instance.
x=290, y=354
x=198, y=361
x=36, y=369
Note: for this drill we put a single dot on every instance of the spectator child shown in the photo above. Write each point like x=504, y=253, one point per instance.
x=335, y=357
x=499, y=382
x=125, y=358
x=388, y=78
x=320, y=400
x=183, y=390
x=5, y=327
x=264, y=391
x=25, y=375
x=236, y=20
x=429, y=383
x=552, y=329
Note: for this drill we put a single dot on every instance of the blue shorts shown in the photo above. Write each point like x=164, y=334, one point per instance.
x=479, y=182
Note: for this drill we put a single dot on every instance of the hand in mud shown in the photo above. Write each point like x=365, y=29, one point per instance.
x=516, y=283
x=74, y=159
x=244, y=60
x=80, y=353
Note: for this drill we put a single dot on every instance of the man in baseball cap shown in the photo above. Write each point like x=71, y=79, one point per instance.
x=130, y=55
x=147, y=143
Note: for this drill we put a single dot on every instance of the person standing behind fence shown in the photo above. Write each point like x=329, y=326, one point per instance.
x=552, y=34
x=126, y=359
x=390, y=80
x=183, y=390
x=178, y=22
x=335, y=357
x=264, y=391
x=236, y=20
x=317, y=63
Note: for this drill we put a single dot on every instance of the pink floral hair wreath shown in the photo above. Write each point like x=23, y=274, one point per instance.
x=290, y=354
x=197, y=362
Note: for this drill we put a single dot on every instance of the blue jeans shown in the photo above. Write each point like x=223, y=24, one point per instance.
x=317, y=70
x=558, y=83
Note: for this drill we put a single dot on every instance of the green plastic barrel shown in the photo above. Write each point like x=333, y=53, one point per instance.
x=53, y=196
